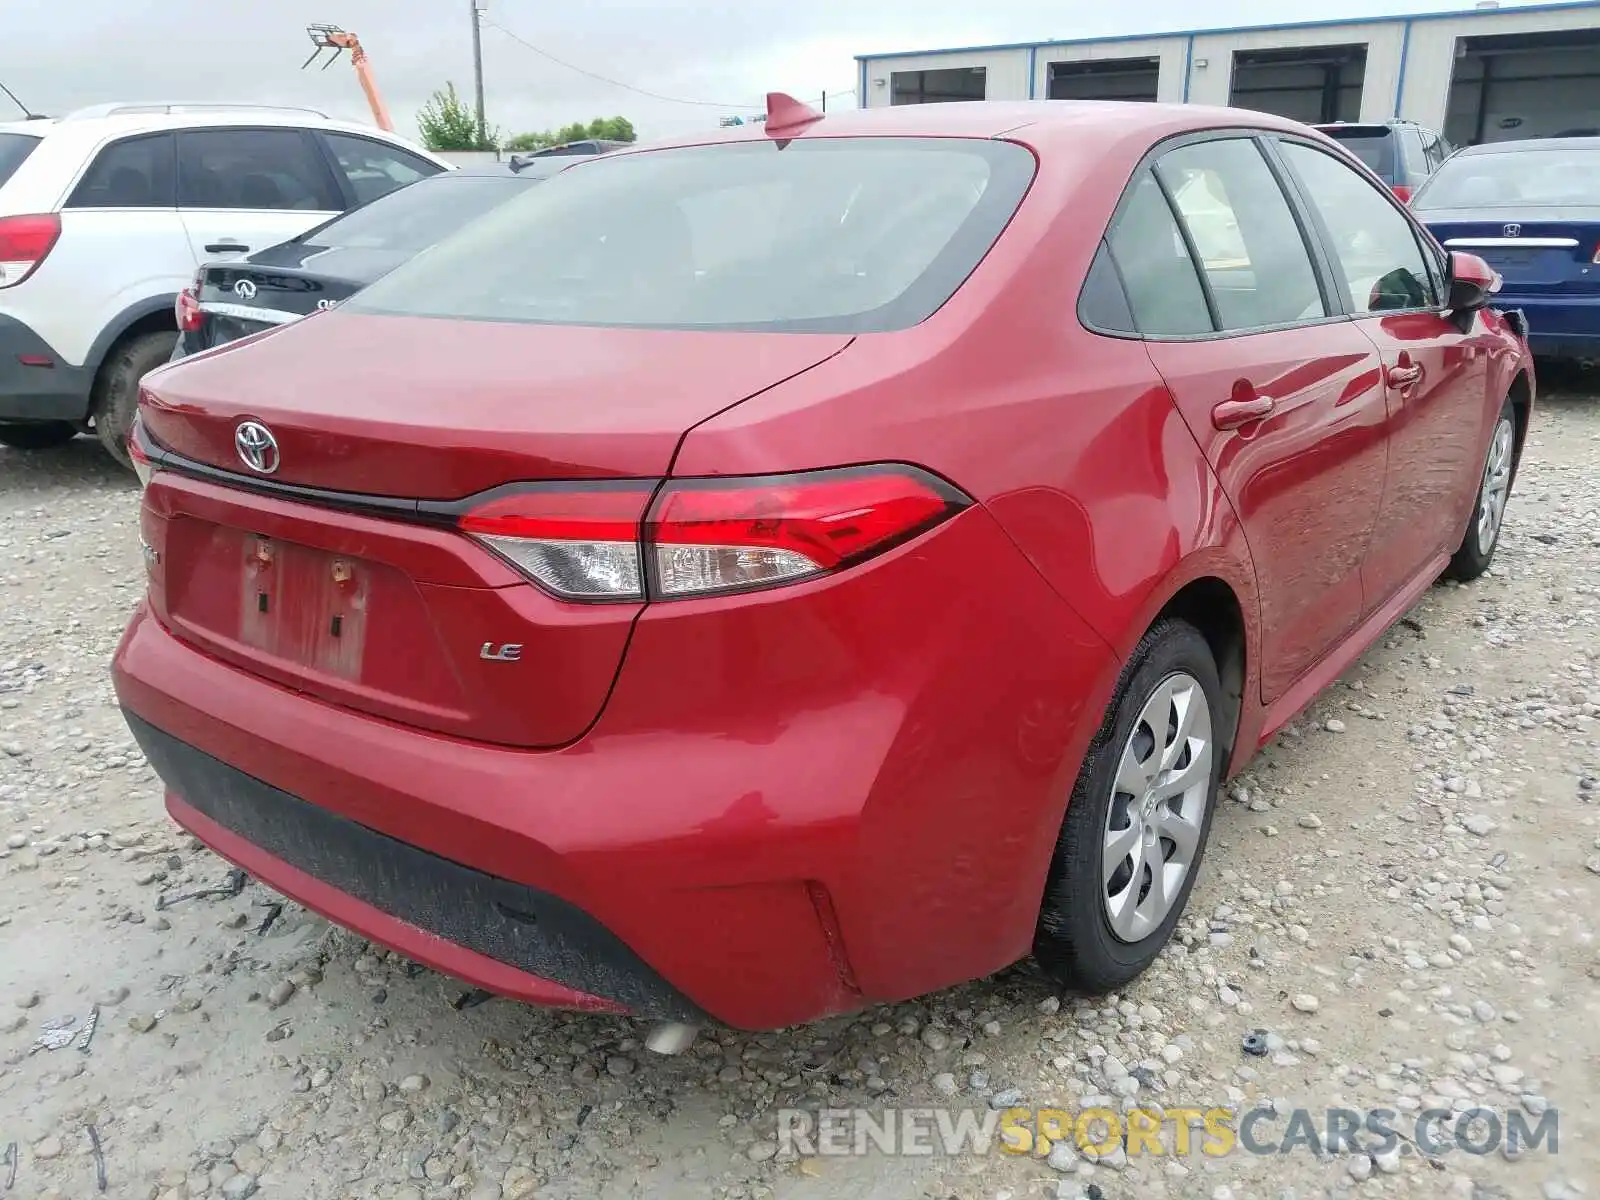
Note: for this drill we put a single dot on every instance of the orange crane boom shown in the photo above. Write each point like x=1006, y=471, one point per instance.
x=331, y=37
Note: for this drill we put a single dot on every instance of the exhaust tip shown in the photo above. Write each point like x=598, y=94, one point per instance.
x=671, y=1037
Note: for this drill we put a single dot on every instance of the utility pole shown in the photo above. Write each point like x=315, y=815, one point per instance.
x=477, y=71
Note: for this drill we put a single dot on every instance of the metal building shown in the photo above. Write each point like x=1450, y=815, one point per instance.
x=1485, y=74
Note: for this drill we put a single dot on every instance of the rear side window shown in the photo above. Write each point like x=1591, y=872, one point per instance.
x=133, y=173
x=414, y=218
x=1375, y=147
x=14, y=148
x=1254, y=257
x=262, y=169
x=1373, y=244
x=375, y=168
x=1157, y=271
x=844, y=235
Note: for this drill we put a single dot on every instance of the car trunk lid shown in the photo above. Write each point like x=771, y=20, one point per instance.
x=324, y=577
x=1551, y=253
x=435, y=410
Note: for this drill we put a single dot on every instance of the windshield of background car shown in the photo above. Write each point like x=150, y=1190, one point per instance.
x=836, y=235
x=416, y=217
x=1372, y=146
x=1515, y=179
x=14, y=147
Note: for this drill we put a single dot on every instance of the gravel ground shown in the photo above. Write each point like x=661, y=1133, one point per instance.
x=1401, y=893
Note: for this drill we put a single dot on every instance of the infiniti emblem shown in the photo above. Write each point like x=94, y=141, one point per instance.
x=1512, y=230
x=257, y=448
x=245, y=290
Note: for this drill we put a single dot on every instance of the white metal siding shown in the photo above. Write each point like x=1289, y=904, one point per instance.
x=1407, y=74
x=1432, y=56
x=1006, y=73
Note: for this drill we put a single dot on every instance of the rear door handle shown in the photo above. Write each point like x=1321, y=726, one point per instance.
x=1231, y=414
x=227, y=248
x=1400, y=377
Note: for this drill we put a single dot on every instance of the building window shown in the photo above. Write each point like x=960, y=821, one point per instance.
x=1105, y=79
x=938, y=87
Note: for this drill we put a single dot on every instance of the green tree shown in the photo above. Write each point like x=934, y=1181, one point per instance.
x=615, y=129
x=447, y=123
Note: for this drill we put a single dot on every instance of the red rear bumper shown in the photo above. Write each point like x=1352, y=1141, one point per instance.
x=793, y=804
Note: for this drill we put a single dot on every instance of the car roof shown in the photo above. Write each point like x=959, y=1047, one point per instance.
x=1532, y=144
x=1063, y=124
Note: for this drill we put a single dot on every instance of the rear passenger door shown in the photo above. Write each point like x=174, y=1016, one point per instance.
x=1435, y=375
x=242, y=189
x=1281, y=391
x=122, y=245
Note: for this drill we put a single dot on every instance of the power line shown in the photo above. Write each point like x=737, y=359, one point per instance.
x=542, y=53
x=606, y=79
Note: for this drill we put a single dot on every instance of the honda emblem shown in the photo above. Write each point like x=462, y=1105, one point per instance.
x=1512, y=230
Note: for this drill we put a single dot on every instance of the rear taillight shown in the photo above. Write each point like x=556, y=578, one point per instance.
x=580, y=542
x=707, y=536
x=142, y=466
x=24, y=242
x=1595, y=257
x=1403, y=192
x=186, y=309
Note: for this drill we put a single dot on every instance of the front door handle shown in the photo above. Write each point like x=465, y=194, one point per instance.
x=1231, y=414
x=1403, y=376
x=227, y=248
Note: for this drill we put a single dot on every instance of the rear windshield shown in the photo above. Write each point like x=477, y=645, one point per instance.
x=846, y=235
x=1375, y=147
x=415, y=217
x=1514, y=179
x=14, y=147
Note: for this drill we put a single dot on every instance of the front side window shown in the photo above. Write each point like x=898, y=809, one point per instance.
x=133, y=173
x=832, y=235
x=1374, y=246
x=1254, y=257
x=375, y=169
x=253, y=169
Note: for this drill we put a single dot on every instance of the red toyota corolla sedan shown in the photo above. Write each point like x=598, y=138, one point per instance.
x=755, y=579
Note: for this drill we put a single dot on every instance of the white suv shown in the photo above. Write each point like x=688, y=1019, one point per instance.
x=106, y=214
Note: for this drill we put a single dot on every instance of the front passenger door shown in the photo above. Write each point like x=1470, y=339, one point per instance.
x=1435, y=375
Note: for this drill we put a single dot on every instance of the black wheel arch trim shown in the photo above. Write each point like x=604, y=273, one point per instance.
x=120, y=324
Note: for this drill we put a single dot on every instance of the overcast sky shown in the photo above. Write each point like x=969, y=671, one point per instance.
x=60, y=55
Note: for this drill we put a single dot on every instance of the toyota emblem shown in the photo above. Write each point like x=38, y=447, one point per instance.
x=245, y=290
x=1512, y=230
x=257, y=448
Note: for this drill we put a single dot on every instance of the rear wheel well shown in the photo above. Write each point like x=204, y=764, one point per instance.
x=161, y=320
x=1210, y=605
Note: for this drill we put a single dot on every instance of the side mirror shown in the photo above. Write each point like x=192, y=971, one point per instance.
x=1473, y=282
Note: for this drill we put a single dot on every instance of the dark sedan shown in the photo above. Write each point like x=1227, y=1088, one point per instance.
x=1531, y=210
x=323, y=266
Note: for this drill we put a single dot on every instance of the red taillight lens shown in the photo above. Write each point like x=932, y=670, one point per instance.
x=705, y=536
x=24, y=242
x=187, y=310
x=582, y=543
x=142, y=466
x=1403, y=192
x=1595, y=257
x=719, y=535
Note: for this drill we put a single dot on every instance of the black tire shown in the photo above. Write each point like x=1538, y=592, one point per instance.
x=41, y=435
x=115, y=398
x=1075, y=944
x=1476, y=552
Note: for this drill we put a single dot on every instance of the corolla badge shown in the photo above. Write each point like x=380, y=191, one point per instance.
x=1512, y=230
x=257, y=448
x=245, y=290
